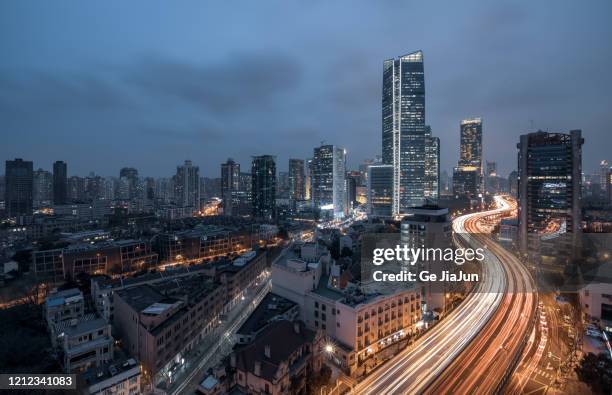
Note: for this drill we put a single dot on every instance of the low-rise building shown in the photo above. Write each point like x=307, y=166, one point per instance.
x=272, y=308
x=111, y=257
x=83, y=343
x=120, y=377
x=160, y=322
x=64, y=305
x=280, y=360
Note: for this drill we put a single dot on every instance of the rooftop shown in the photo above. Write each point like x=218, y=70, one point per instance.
x=62, y=297
x=271, y=306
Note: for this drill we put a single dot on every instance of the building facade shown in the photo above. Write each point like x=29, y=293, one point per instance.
x=60, y=182
x=380, y=190
x=329, y=181
x=19, y=178
x=549, y=187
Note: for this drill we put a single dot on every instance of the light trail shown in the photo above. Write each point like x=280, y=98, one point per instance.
x=415, y=369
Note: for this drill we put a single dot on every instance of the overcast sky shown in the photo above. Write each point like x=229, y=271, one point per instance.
x=149, y=84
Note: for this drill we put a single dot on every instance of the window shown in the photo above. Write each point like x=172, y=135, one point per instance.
x=316, y=305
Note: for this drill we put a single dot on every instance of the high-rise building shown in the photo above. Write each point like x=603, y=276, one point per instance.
x=296, y=179
x=19, y=187
x=42, y=191
x=329, y=181
x=245, y=195
x=130, y=175
x=549, y=185
x=468, y=177
x=187, y=186
x=282, y=185
x=263, y=178
x=230, y=185
x=491, y=169
x=432, y=167
x=380, y=190
x=60, y=183
x=76, y=189
x=513, y=183
x=403, y=128
x=604, y=167
x=353, y=180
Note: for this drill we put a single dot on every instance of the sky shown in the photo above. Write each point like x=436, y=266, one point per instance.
x=148, y=84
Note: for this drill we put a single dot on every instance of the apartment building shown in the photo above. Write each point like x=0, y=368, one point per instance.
x=83, y=343
x=63, y=306
x=367, y=328
x=159, y=322
x=120, y=377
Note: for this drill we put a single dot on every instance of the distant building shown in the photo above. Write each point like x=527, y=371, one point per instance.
x=468, y=177
x=263, y=173
x=230, y=185
x=42, y=192
x=380, y=190
x=432, y=168
x=549, y=188
x=604, y=168
x=19, y=187
x=513, y=183
x=329, y=181
x=296, y=179
x=187, y=186
x=129, y=177
x=60, y=182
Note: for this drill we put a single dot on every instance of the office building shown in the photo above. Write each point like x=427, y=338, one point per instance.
x=403, y=128
x=380, y=190
x=129, y=180
x=468, y=177
x=60, y=182
x=187, y=186
x=549, y=187
x=296, y=179
x=263, y=173
x=19, y=187
x=230, y=185
x=329, y=181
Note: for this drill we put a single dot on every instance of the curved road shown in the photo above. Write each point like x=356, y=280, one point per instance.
x=420, y=367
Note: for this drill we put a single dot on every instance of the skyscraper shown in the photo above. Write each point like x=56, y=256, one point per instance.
x=431, y=190
x=263, y=178
x=19, y=187
x=380, y=190
x=187, y=186
x=329, y=181
x=403, y=128
x=230, y=185
x=60, y=183
x=604, y=167
x=296, y=179
x=407, y=142
x=42, y=191
x=468, y=175
x=549, y=185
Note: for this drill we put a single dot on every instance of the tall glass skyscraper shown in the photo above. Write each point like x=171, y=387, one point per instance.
x=404, y=134
x=329, y=180
x=263, y=178
x=468, y=177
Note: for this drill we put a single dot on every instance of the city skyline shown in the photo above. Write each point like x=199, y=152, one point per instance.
x=110, y=101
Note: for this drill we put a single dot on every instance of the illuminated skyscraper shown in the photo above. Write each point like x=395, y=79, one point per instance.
x=263, y=174
x=403, y=128
x=549, y=186
x=468, y=175
x=329, y=180
x=604, y=167
x=432, y=167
